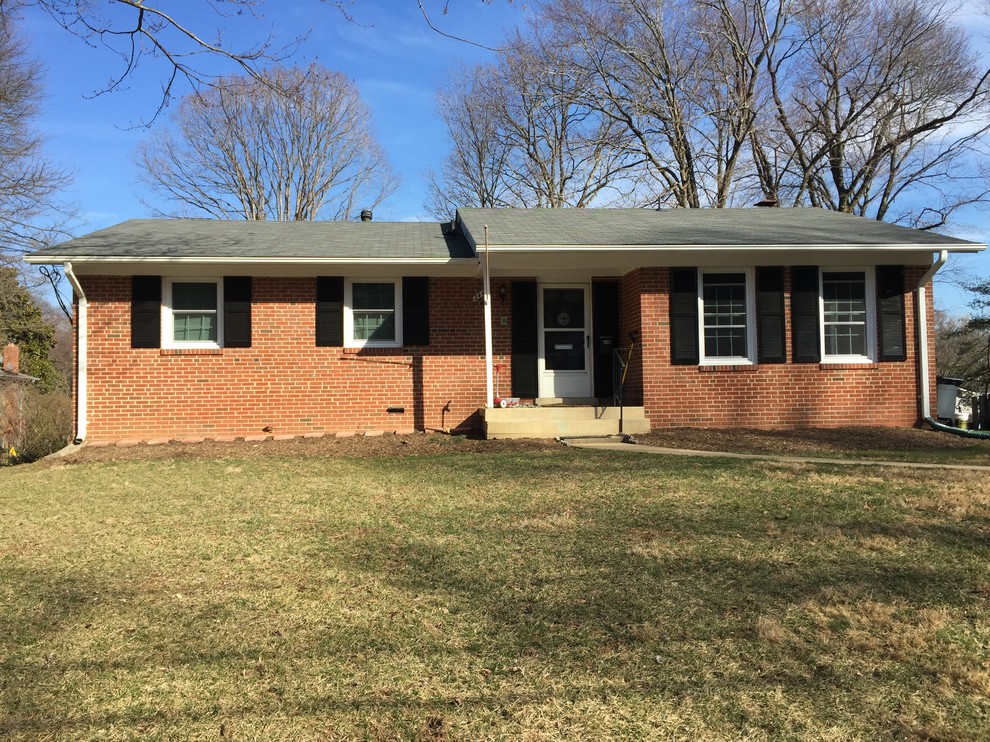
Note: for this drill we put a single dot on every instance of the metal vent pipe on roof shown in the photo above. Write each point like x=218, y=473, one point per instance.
x=366, y=215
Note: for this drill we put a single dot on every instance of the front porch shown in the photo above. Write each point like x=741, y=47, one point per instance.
x=560, y=418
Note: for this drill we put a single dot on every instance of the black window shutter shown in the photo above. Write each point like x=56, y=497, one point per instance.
x=146, y=311
x=525, y=340
x=770, y=315
x=237, y=311
x=684, y=316
x=605, y=320
x=329, y=311
x=415, y=311
x=804, y=315
x=890, y=292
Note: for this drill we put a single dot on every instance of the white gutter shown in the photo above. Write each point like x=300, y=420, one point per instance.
x=489, y=355
x=968, y=247
x=922, y=315
x=81, y=354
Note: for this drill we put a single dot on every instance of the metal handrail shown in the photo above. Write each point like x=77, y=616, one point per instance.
x=620, y=359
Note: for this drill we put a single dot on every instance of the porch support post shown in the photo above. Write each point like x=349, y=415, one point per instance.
x=489, y=356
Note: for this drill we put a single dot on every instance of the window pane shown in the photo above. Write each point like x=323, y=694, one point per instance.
x=844, y=297
x=563, y=308
x=564, y=350
x=724, y=297
x=725, y=342
x=378, y=326
x=373, y=296
x=844, y=304
x=194, y=296
x=845, y=340
x=192, y=327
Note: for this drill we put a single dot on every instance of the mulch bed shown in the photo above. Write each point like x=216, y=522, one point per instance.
x=812, y=440
x=797, y=442
x=414, y=444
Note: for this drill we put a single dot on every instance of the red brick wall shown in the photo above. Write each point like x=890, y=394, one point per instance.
x=286, y=383
x=765, y=395
x=283, y=381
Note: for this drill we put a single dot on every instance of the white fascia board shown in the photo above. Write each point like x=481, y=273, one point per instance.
x=59, y=259
x=118, y=266
x=973, y=247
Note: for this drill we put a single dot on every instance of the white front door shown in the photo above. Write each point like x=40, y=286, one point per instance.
x=565, y=341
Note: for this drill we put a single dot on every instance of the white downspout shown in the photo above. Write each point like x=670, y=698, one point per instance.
x=81, y=355
x=922, y=315
x=489, y=355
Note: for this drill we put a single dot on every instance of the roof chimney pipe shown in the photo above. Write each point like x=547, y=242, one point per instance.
x=366, y=215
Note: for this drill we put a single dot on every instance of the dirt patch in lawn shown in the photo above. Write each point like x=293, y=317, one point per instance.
x=859, y=441
x=807, y=442
x=413, y=444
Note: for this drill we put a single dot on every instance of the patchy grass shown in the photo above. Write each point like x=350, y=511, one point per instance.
x=542, y=595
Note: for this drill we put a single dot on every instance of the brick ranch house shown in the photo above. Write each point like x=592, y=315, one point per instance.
x=770, y=318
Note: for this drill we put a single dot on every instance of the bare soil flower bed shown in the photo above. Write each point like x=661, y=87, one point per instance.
x=908, y=443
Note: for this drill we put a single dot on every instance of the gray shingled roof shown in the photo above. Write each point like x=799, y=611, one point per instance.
x=207, y=238
x=165, y=239
x=753, y=227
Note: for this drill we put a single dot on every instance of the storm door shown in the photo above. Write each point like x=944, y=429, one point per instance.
x=565, y=341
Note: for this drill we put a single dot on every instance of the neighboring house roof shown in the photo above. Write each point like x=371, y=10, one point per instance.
x=197, y=239
x=6, y=376
x=760, y=228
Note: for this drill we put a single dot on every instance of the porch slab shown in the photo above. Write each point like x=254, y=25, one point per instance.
x=563, y=421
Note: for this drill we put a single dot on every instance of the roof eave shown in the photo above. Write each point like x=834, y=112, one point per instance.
x=973, y=247
x=118, y=259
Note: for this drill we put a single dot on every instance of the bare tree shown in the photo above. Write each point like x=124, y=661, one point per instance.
x=29, y=212
x=293, y=144
x=684, y=78
x=875, y=107
x=521, y=135
x=880, y=110
x=471, y=173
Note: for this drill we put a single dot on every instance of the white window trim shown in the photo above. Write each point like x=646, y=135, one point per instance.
x=871, y=315
x=168, y=321
x=750, y=358
x=349, y=340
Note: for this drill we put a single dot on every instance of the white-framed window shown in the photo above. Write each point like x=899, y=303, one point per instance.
x=726, y=316
x=373, y=313
x=191, y=313
x=848, y=316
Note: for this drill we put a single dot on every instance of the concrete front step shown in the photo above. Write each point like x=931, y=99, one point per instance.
x=562, y=422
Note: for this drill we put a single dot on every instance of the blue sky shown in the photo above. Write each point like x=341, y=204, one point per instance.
x=396, y=61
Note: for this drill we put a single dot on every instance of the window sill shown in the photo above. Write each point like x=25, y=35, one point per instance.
x=191, y=351
x=847, y=365
x=377, y=350
x=727, y=368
